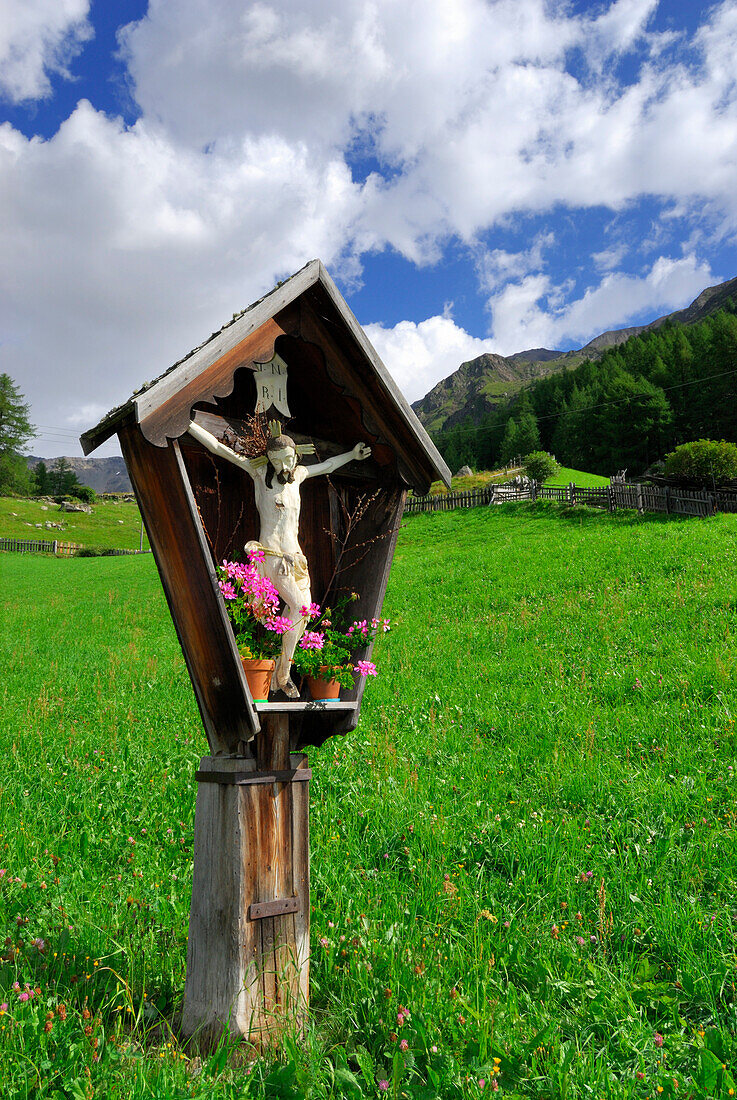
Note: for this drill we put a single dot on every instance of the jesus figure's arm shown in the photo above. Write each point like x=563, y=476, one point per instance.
x=214, y=446
x=360, y=452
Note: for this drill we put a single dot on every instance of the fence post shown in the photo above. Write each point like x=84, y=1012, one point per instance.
x=610, y=498
x=667, y=500
x=638, y=491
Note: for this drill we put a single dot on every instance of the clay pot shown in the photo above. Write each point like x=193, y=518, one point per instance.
x=323, y=690
x=258, y=675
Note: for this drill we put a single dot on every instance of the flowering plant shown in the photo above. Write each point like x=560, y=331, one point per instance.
x=324, y=651
x=252, y=604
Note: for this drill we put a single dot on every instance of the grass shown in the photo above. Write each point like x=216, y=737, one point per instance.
x=113, y=523
x=566, y=475
x=528, y=842
x=482, y=478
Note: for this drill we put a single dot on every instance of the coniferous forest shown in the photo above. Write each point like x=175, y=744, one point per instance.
x=627, y=409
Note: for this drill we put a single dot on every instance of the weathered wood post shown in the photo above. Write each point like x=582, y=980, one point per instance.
x=248, y=945
x=301, y=351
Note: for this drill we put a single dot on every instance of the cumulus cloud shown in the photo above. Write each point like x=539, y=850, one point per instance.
x=419, y=354
x=519, y=320
x=39, y=37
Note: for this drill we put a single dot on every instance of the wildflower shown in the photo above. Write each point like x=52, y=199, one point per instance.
x=38, y=943
x=555, y=931
x=658, y=1039
x=580, y=941
x=494, y=1085
x=365, y=668
x=434, y=1049
x=24, y=996
x=404, y=1045
x=324, y=942
x=482, y=1083
x=640, y=1075
x=383, y=1085
x=400, y=1019
x=3, y=1008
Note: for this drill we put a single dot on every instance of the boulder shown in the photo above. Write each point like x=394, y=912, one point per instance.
x=465, y=471
x=74, y=506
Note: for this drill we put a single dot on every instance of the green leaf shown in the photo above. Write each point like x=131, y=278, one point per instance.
x=365, y=1064
x=84, y=844
x=710, y=1068
x=348, y=1082
x=397, y=1070
x=715, y=1043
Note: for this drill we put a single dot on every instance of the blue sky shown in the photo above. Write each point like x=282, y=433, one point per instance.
x=478, y=176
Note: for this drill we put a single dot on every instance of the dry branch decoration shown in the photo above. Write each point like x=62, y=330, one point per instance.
x=350, y=520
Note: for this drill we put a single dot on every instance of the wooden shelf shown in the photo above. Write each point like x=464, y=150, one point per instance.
x=335, y=705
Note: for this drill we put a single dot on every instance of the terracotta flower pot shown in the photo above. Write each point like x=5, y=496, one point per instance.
x=322, y=690
x=258, y=675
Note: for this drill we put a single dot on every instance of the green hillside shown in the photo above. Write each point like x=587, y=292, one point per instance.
x=113, y=523
x=566, y=475
x=480, y=386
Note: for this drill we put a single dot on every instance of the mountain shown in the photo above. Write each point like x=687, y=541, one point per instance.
x=490, y=380
x=104, y=475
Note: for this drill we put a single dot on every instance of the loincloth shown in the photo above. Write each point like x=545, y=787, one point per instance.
x=293, y=565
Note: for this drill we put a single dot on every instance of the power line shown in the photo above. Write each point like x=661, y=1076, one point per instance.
x=58, y=428
x=616, y=401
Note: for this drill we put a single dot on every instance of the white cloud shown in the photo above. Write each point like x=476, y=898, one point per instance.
x=520, y=321
x=38, y=37
x=121, y=250
x=609, y=258
x=497, y=266
x=419, y=354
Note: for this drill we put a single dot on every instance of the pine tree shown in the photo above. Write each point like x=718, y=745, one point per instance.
x=15, y=431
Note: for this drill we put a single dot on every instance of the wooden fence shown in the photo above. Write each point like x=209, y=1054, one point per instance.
x=58, y=547
x=445, y=502
x=620, y=494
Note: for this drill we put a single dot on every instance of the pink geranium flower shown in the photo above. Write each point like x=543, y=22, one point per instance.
x=365, y=668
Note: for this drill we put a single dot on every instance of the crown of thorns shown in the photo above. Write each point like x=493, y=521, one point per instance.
x=279, y=442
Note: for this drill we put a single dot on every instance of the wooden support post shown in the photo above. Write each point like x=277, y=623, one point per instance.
x=248, y=949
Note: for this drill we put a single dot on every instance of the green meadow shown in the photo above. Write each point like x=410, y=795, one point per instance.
x=523, y=860
x=565, y=475
x=112, y=524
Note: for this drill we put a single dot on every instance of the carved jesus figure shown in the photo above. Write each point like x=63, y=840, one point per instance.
x=277, y=488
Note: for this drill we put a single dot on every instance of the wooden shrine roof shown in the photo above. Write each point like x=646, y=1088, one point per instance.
x=162, y=408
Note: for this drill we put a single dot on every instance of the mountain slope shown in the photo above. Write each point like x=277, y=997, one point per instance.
x=483, y=383
x=104, y=475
